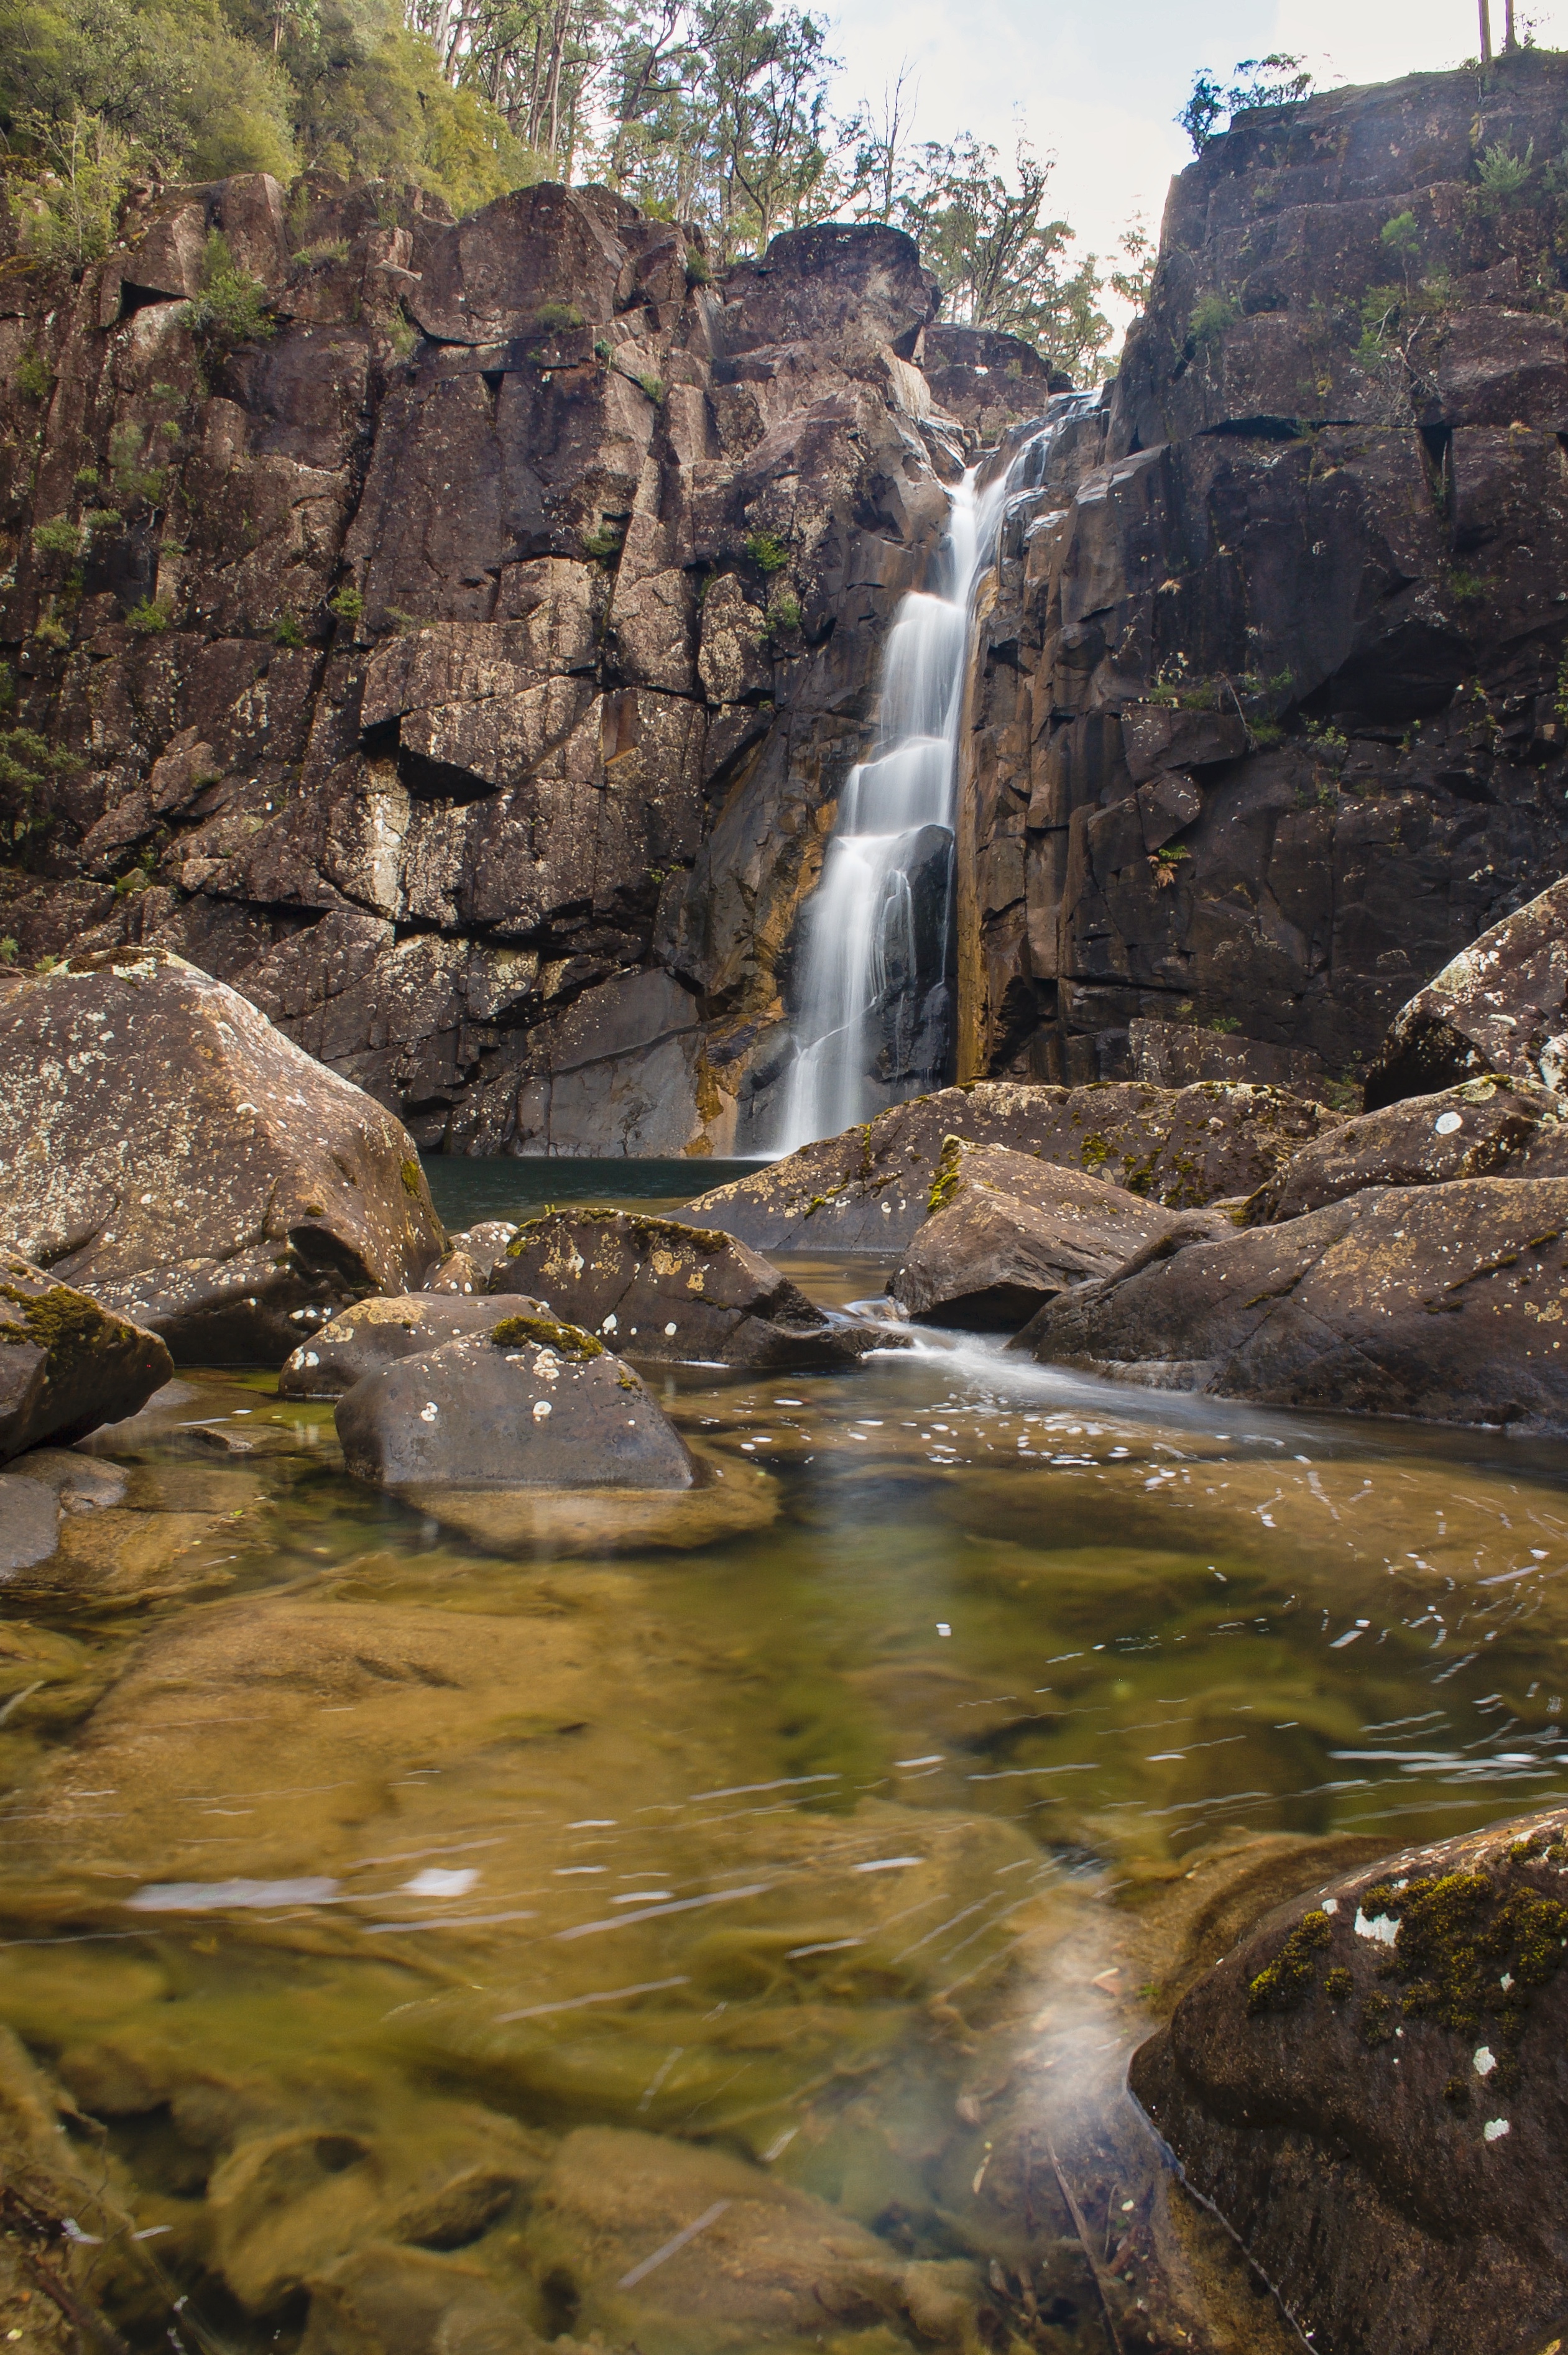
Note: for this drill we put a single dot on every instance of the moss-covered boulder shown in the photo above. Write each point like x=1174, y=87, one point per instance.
x=531, y=1403
x=1007, y=1232
x=1370, y=2089
x=376, y=1333
x=659, y=1289
x=165, y=1149
x=66, y=1363
x=1440, y=1302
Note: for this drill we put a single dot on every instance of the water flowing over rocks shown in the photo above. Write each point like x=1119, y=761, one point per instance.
x=530, y=1403
x=1443, y=1302
x=165, y=1148
x=66, y=1363
x=660, y=1289
x=1369, y=2089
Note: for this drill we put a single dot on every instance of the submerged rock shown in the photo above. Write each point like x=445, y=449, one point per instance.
x=870, y=1188
x=66, y=1364
x=1443, y=1302
x=531, y=1403
x=376, y=1333
x=169, y=1151
x=1369, y=2089
x=1480, y=1130
x=387, y=2300
x=29, y=1524
x=657, y=1288
x=1501, y=1006
x=1007, y=1232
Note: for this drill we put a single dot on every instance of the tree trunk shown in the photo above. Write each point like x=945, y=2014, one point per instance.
x=1509, y=44
x=1486, y=32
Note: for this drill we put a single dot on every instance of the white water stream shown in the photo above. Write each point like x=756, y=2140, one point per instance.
x=874, y=1019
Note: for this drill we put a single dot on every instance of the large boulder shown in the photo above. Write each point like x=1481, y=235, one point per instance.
x=870, y=1188
x=531, y=1403
x=167, y=1149
x=1501, y=1006
x=659, y=1289
x=376, y=1333
x=1370, y=2089
x=1443, y=1302
x=1007, y=1232
x=1478, y=1130
x=66, y=1364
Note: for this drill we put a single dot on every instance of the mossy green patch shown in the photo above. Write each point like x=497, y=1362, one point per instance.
x=948, y=1176
x=545, y=1333
x=1465, y=1953
x=410, y=1177
x=1282, y=1983
x=59, y=1321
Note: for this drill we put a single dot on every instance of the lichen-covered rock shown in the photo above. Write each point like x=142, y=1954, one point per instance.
x=1007, y=1232
x=1443, y=1302
x=1176, y=1055
x=167, y=1149
x=659, y=1289
x=1500, y=1007
x=869, y=1189
x=378, y=1332
x=470, y=1257
x=67, y=1364
x=530, y=1403
x=1369, y=2090
x=1482, y=1129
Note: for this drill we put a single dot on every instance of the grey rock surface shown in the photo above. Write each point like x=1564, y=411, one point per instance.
x=67, y=1363
x=378, y=1332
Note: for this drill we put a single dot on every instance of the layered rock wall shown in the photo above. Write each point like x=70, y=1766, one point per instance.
x=1266, y=709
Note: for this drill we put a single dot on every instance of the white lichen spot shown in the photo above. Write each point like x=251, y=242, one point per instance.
x=541, y=1408
x=1495, y=2129
x=429, y=1411
x=610, y=1326
x=669, y=1332
x=1506, y=1981
x=1330, y=1905
x=1447, y=1123
x=312, y=1357
x=1382, y=1926
x=1486, y=2061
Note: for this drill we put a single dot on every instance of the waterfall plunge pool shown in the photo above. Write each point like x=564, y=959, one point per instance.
x=717, y=1951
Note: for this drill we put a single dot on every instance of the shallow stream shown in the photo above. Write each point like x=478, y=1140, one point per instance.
x=725, y=1935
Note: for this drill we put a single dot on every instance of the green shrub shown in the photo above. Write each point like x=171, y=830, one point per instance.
x=557, y=317
x=604, y=541
x=310, y=257
x=288, y=631
x=653, y=385
x=347, y=603
x=163, y=390
x=1502, y=173
x=87, y=479
x=698, y=270
x=783, y=612
x=34, y=377
x=103, y=519
x=1402, y=235
x=402, y=334
x=1266, y=734
x=59, y=536
x=603, y=352
x=132, y=479
x=49, y=631
x=1211, y=320
x=8, y=949
x=768, y=554
x=231, y=308
x=149, y=618
x=1225, y=1025
x=1464, y=587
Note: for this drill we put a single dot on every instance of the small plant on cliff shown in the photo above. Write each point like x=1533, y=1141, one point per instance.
x=288, y=631
x=1502, y=173
x=8, y=949
x=604, y=352
x=1164, y=864
x=51, y=632
x=32, y=375
x=231, y=308
x=1209, y=321
x=783, y=612
x=1402, y=235
x=1466, y=588
x=653, y=385
x=1224, y=1025
x=347, y=604
x=558, y=318
x=58, y=536
x=767, y=553
x=27, y=762
x=604, y=541
x=132, y=480
x=149, y=618
x=698, y=270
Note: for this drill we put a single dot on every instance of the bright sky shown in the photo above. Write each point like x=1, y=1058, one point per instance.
x=1098, y=84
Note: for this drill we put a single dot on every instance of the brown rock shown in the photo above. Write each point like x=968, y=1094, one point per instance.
x=168, y=1150
x=1009, y=1232
x=67, y=1364
x=1502, y=1006
x=1485, y=1128
x=378, y=1332
x=1369, y=2090
x=1176, y=1055
x=659, y=1289
x=1441, y=1302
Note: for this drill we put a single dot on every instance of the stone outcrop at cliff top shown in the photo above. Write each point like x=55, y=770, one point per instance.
x=167, y=1149
x=1370, y=2091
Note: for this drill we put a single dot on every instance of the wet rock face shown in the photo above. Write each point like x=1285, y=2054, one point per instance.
x=1501, y=1006
x=530, y=1403
x=1007, y=1232
x=659, y=1289
x=871, y=1190
x=1266, y=706
x=169, y=1150
x=67, y=1364
x=379, y=1332
x=469, y=653
x=1369, y=2090
x=1442, y=1302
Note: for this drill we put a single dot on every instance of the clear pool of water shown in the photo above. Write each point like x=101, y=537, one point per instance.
x=727, y=1943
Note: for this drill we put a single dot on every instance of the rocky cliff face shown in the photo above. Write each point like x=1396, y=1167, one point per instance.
x=467, y=670
x=1267, y=709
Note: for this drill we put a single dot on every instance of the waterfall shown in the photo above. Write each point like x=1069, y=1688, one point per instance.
x=875, y=1002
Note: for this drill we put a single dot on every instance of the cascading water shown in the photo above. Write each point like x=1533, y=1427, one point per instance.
x=875, y=1013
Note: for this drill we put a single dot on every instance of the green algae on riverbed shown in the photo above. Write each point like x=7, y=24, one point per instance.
x=356, y=1870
